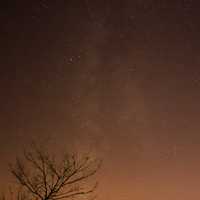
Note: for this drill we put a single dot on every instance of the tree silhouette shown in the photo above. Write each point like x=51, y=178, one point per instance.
x=43, y=177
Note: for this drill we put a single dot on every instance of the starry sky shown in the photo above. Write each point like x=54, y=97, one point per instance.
x=119, y=77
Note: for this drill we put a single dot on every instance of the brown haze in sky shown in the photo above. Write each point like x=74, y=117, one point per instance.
x=121, y=78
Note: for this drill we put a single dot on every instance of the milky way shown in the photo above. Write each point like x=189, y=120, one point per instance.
x=118, y=77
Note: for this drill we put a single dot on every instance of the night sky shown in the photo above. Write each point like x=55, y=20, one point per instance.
x=118, y=77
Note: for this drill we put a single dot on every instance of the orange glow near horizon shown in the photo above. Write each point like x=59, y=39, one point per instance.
x=117, y=78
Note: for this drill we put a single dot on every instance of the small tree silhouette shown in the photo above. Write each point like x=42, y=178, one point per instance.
x=43, y=177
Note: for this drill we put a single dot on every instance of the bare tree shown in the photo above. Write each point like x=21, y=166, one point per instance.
x=43, y=177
